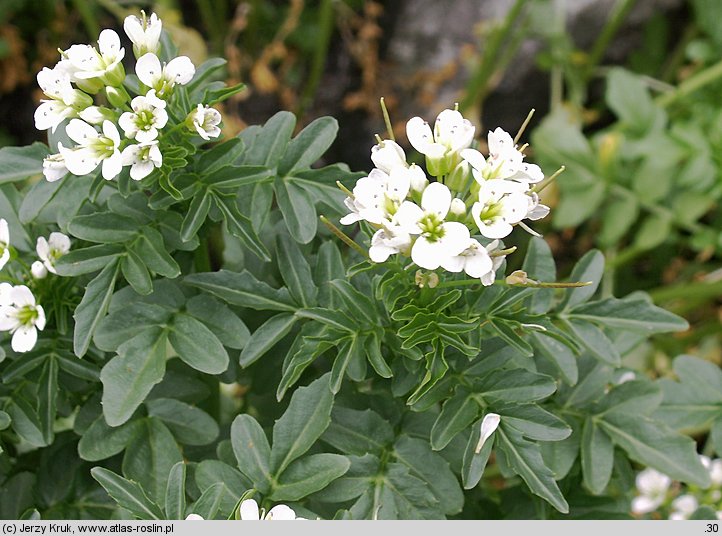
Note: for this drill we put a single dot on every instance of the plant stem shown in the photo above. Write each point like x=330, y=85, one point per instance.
x=621, y=10
x=89, y=20
x=699, y=289
x=344, y=237
x=320, y=53
x=693, y=83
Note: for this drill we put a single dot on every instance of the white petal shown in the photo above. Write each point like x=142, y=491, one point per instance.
x=21, y=296
x=281, y=512
x=111, y=131
x=387, y=155
x=8, y=319
x=112, y=166
x=478, y=264
x=453, y=264
x=495, y=229
x=407, y=217
x=50, y=114
x=40, y=320
x=488, y=427
x=6, y=290
x=134, y=29
x=417, y=178
x=24, y=339
x=419, y=134
x=427, y=254
x=127, y=123
x=514, y=208
x=148, y=69
x=436, y=199
x=475, y=158
x=141, y=170
x=180, y=70
x=42, y=248
x=4, y=232
x=500, y=142
x=644, y=504
x=249, y=510
x=4, y=258
x=59, y=242
x=109, y=43
x=456, y=238
x=399, y=183
x=80, y=131
x=193, y=517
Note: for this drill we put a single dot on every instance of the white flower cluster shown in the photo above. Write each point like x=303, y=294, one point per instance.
x=84, y=73
x=19, y=313
x=435, y=223
x=249, y=511
x=655, y=490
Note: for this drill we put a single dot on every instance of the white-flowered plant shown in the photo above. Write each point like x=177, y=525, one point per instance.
x=453, y=217
x=652, y=487
x=21, y=316
x=87, y=93
x=250, y=511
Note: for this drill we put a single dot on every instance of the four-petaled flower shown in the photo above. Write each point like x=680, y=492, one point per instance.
x=204, y=120
x=163, y=78
x=88, y=63
x=52, y=249
x=144, y=33
x=500, y=206
x=92, y=149
x=250, y=512
x=63, y=101
x=142, y=159
x=652, y=487
x=148, y=116
x=21, y=316
x=452, y=133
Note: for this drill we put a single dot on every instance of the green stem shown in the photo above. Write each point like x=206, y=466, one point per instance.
x=687, y=291
x=693, y=83
x=621, y=10
x=320, y=53
x=477, y=88
x=212, y=24
x=89, y=20
x=344, y=237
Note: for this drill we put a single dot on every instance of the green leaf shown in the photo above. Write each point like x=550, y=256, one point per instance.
x=217, y=317
x=208, y=472
x=252, y=451
x=266, y=336
x=433, y=469
x=197, y=345
x=127, y=494
x=309, y=145
x=348, y=351
x=189, y=425
x=150, y=456
x=375, y=357
x=196, y=215
x=653, y=444
x=219, y=156
x=295, y=271
x=103, y=227
x=637, y=397
x=297, y=209
x=240, y=226
x=456, y=415
x=271, y=140
x=125, y=323
x=5, y=420
x=18, y=163
x=588, y=269
x=653, y=231
x=25, y=422
x=231, y=178
x=128, y=377
x=308, y=475
x=535, y=422
x=358, y=432
x=136, y=273
x=84, y=261
x=151, y=248
x=524, y=458
x=628, y=97
x=243, y=289
x=597, y=457
x=558, y=354
x=335, y=319
x=619, y=216
x=474, y=463
x=631, y=314
x=211, y=501
x=596, y=342
x=47, y=398
x=101, y=441
x=515, y=386
x=93, y=306
x=307, y=416
x=355, y=301
x=175, y=493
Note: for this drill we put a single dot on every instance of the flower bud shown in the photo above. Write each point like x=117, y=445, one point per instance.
x=517, y=277
x=418, y=179
x=458, y=208
x=90, y=85
x=80, y=100
x=115, y=76
x=387, y=154
x=436, y=161
x=458, y=178
x=38, y=270
x=95, y=115
x=117, y=96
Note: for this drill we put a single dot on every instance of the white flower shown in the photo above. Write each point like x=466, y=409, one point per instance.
x=497, y=259
x=378, y=196
x=38, y=270
x=388, y=154
x=52, y=249
x=95, y=115
x=438, y=240
x=143, y=32
x=21, y=317
x=142, y=158
x=250, y=512
x=451, y=134
x=194, y=517
x=683, y=507
x=714, y=467
x=89, y=63
x=179, y=70
x=93, y=148
x=147, y=117
x=500, y=206
x=4, y=243
x=652, y=486
x=387, y=242
x=488, y=427
x=505, y=161
x=64, y=101
x=54, y=167
x=474, y=260
x=205, y=122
